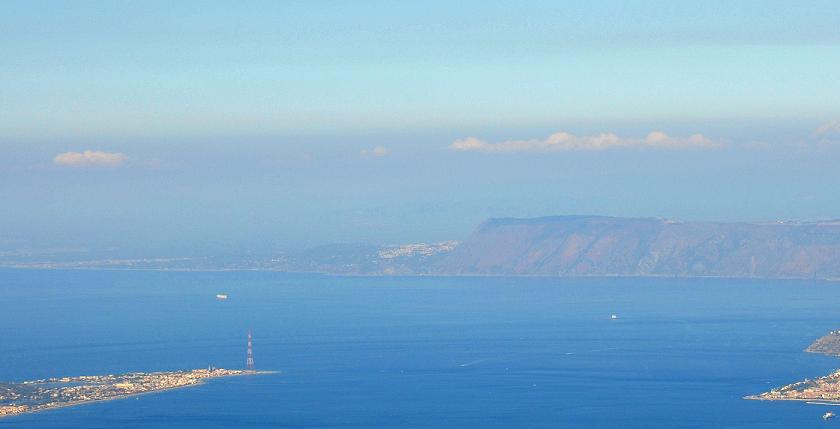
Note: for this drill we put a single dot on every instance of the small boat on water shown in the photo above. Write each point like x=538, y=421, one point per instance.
x=221, y=296
x=613, y=317
x=828, y=415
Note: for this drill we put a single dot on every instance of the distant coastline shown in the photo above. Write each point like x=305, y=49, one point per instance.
x=420, y=275
x=558, y=246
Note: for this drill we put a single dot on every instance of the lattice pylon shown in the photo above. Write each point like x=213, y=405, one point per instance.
x=249, y=362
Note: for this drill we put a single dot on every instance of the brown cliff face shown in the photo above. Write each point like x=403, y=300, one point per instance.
x=608, y=246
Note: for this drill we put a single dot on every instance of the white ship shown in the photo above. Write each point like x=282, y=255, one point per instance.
x=828, y=415
x=221, y=296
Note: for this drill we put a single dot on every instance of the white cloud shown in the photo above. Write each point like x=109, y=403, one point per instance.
x=563, y=141
x=377, y=152
x=828, y=128
x=90, y=158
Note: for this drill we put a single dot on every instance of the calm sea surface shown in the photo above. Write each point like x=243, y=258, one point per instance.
x=421, y=352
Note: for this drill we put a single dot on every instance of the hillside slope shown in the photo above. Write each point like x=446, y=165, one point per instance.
x=609, y=246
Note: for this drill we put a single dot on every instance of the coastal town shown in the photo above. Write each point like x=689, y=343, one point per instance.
x=826, y=388
x=39, y=395
x=419, y=249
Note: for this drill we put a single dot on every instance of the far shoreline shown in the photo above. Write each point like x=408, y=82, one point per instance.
x=418, y=275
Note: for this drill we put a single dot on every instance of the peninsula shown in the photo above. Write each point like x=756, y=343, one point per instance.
x=826, y=388
x=39, y=395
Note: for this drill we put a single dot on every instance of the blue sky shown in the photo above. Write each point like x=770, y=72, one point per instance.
x=284, y=124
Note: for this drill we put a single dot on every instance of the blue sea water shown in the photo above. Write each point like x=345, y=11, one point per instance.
x=421, y=352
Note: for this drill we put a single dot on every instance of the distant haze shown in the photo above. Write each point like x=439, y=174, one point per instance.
x=153, y=128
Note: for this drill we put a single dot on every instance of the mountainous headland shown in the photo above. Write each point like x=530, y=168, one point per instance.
x=611, y=246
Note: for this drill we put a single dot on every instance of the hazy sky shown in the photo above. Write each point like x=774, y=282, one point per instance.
x=170, y=126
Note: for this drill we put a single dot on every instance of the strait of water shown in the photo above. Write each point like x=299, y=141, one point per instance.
x=421, y=352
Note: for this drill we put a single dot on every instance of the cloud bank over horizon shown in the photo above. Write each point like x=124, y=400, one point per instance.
x=90, y=158
x=563, y=141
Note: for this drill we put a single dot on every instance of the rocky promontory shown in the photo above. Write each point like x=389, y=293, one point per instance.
x=827, y=345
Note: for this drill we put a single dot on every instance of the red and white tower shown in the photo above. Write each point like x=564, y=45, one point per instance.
x=249, y=362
